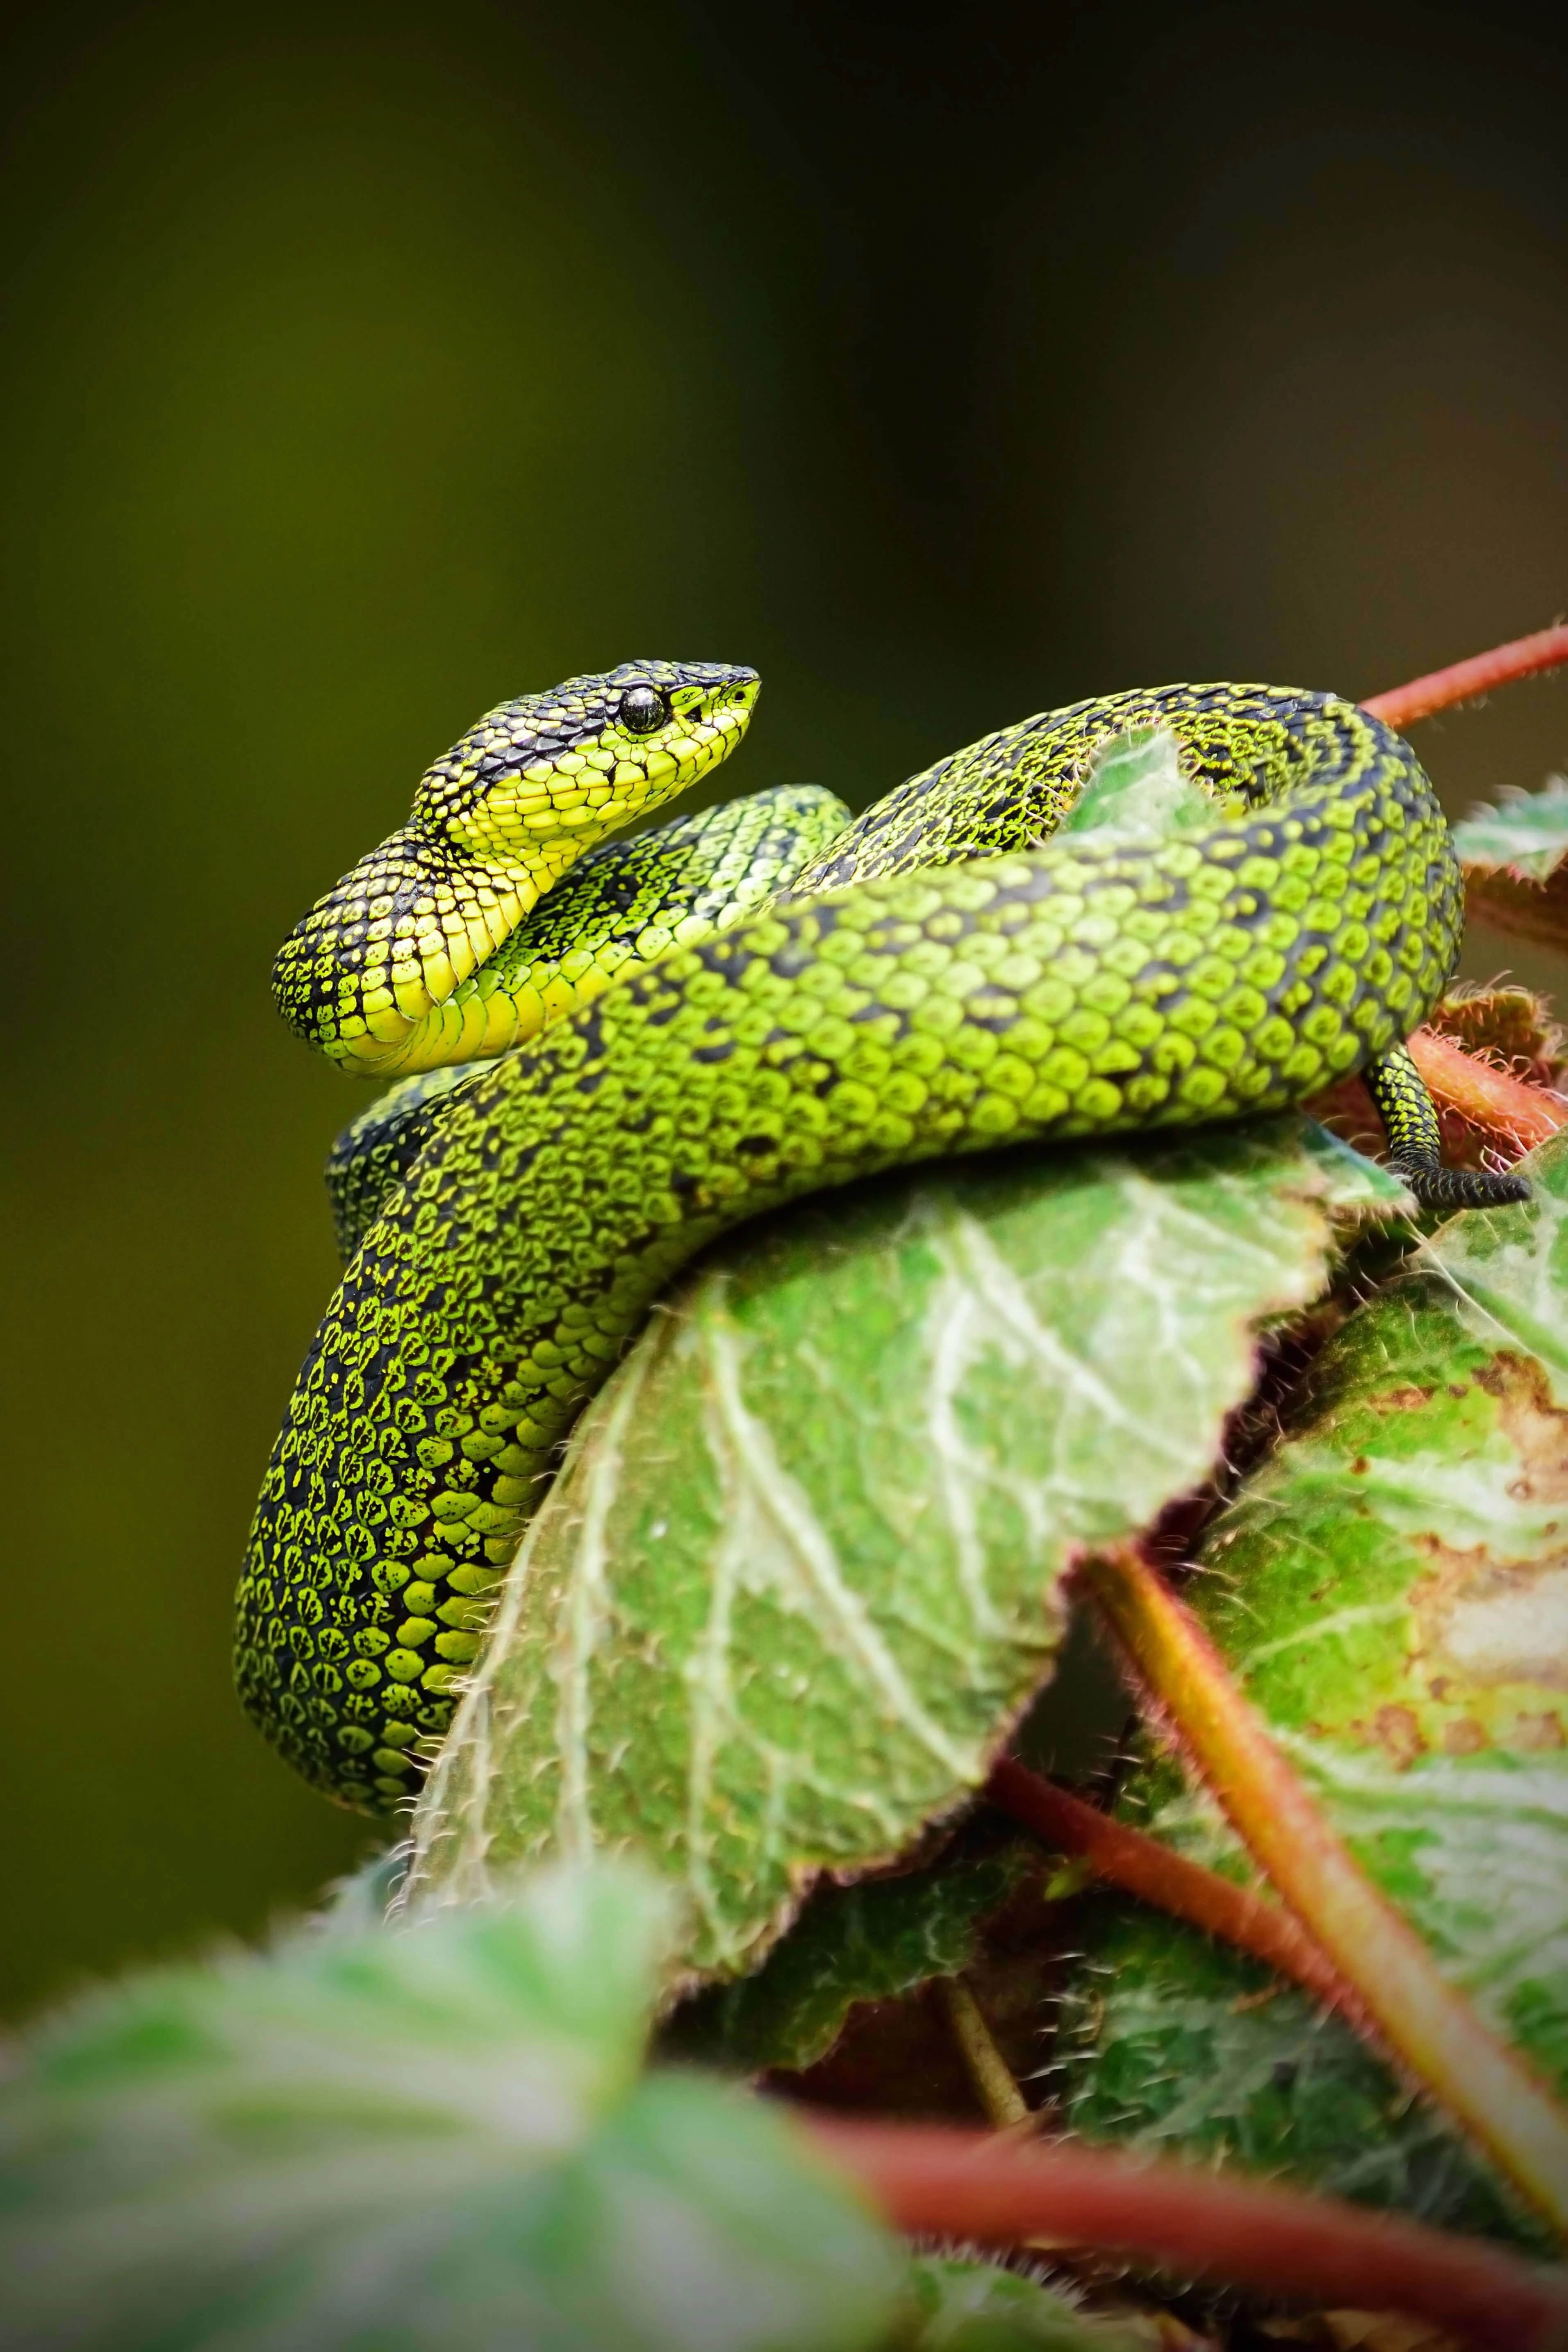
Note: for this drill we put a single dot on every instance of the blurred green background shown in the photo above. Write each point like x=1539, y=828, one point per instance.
x=369, y=363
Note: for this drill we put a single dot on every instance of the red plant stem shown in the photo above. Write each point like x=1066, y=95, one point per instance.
x=939, y=2180
x=1423, y=2018
x=1440, y=689
x=1499, y=1104
x=1152, y=1872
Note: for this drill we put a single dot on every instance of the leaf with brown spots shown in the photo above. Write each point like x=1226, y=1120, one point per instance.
x=1390, y=1591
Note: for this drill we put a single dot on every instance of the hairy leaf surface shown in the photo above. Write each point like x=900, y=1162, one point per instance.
x=957, y=2303
x=1515, y=856
x=434, y=2139
x=871, y=1941
x=1391, y=1588
x=802, y=1569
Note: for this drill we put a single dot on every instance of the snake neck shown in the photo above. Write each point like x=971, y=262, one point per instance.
x=363, y=976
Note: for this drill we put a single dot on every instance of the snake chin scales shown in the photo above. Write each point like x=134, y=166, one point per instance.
x=675, y=1030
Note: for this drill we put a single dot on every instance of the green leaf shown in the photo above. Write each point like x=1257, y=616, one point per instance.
x=1390, y=1591
x=1137, y=789
x=873, y=1941
x=432, y=2138
x=802, y=1569
x=1523, y=833
x=958, y=2303
x=1516, y=879
x=1177, y=2046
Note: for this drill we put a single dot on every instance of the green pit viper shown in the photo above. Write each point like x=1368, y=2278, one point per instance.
x=688, y=1025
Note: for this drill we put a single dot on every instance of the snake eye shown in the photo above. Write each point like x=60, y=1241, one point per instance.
x=642, y=709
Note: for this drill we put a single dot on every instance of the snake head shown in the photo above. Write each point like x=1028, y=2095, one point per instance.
x=364, y=977
x=540, y=779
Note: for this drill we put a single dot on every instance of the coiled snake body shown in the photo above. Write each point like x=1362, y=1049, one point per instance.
x=762, y=1002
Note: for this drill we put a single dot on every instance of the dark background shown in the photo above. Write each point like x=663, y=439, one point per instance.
x=365, y=364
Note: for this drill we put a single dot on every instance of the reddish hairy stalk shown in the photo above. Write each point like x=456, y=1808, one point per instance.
x=935, y=2178
x=1440, y=689
x=1424, y=2019
x=1185, y=1889
x=1519, y=1116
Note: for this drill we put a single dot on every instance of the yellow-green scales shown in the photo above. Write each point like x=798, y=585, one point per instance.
x=758, y=1003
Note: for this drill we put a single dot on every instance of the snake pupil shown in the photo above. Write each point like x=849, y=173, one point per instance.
x=642, y=709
